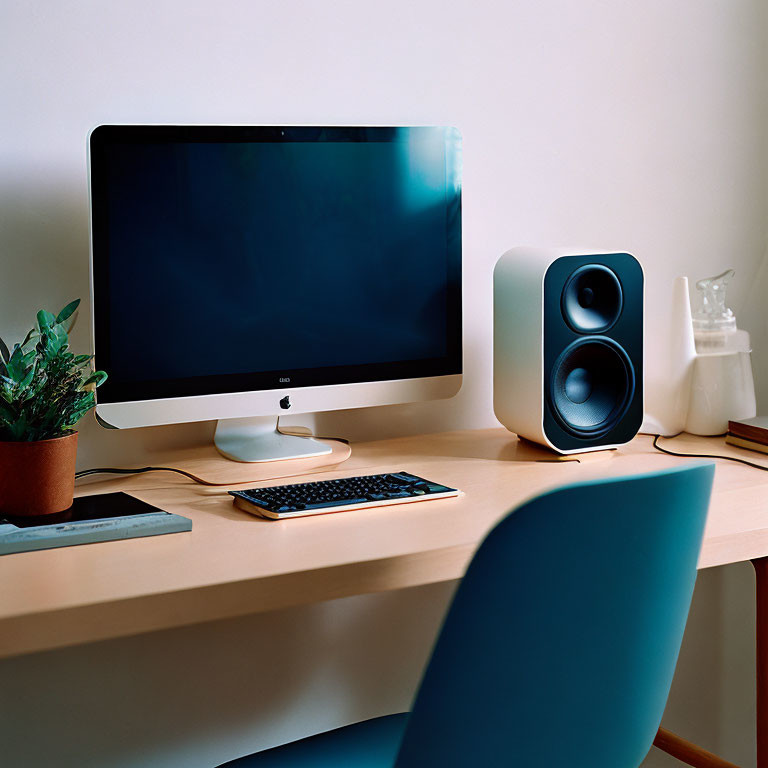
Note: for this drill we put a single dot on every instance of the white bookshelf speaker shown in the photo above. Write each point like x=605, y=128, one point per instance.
x=568, y=347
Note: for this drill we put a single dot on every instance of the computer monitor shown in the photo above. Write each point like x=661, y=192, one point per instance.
x=243, y=272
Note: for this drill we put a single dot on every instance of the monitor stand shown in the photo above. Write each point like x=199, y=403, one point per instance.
x=257, y=439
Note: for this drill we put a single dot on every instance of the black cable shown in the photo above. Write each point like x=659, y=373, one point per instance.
x=140, y=470
x=705, y=455
x=195, y=478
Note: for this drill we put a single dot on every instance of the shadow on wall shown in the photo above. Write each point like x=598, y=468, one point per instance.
x=752, y=317
x=197, y=696
x=712, y=701
x=390, y=421
x=44, y=246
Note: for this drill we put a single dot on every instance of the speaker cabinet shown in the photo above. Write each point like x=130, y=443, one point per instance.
x=568, y=347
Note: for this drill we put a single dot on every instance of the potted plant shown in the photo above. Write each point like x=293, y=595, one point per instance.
x=44, y=391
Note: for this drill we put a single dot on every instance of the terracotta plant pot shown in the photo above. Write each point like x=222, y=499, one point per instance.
x=37, y=478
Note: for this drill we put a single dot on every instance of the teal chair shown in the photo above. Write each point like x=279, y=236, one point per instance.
x=560, y=645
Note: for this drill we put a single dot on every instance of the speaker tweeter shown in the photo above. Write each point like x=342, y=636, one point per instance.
x=592, y=299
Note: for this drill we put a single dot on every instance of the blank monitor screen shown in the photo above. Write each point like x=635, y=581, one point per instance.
x=233, y=259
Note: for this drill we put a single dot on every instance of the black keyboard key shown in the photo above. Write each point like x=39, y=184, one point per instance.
x=260, y=502
x=401, y=479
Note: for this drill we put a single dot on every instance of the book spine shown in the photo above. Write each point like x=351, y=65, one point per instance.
x=87, y=532
x=748, y=432
x=750, y=445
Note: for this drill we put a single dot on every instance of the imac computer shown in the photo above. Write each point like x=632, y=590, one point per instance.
x=243, y=272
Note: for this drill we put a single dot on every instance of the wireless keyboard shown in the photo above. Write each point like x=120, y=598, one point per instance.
x=282, y=501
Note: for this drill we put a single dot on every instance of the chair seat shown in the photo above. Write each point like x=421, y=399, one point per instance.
x=370, y=744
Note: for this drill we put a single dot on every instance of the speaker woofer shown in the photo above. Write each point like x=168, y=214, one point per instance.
x=591, y=386
x=592, y=299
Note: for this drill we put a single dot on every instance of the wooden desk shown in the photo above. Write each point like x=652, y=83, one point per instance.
x=232, y=563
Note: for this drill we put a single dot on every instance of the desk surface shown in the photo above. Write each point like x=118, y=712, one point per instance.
x=232, y=563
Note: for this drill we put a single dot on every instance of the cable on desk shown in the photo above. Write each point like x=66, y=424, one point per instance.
x=140, y=470
x=705, y=455
x=196, y=478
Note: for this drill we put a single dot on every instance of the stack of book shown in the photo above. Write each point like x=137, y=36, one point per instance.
x=98, y=517
x=749, y=433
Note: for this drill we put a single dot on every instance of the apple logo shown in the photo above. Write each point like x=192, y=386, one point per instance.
x=285, y=403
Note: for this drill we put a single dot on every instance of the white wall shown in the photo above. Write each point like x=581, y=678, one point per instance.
x=618, y=123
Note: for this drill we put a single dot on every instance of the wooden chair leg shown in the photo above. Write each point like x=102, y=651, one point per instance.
x=687, y=752
x=761, y=658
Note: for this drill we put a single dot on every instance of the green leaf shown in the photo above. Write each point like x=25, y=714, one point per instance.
x=36, y=386
x=60, y=339
x=97, y=378
x=17, y=367
x=67, y=311
x=4, y=352
x=45, y=319
x=19, y=364
x=82, y=407
x=44, y=347
x=32, y=333
x=27, y=380
x=18, y=428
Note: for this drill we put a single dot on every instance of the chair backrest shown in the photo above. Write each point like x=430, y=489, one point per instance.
x=562, y=639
